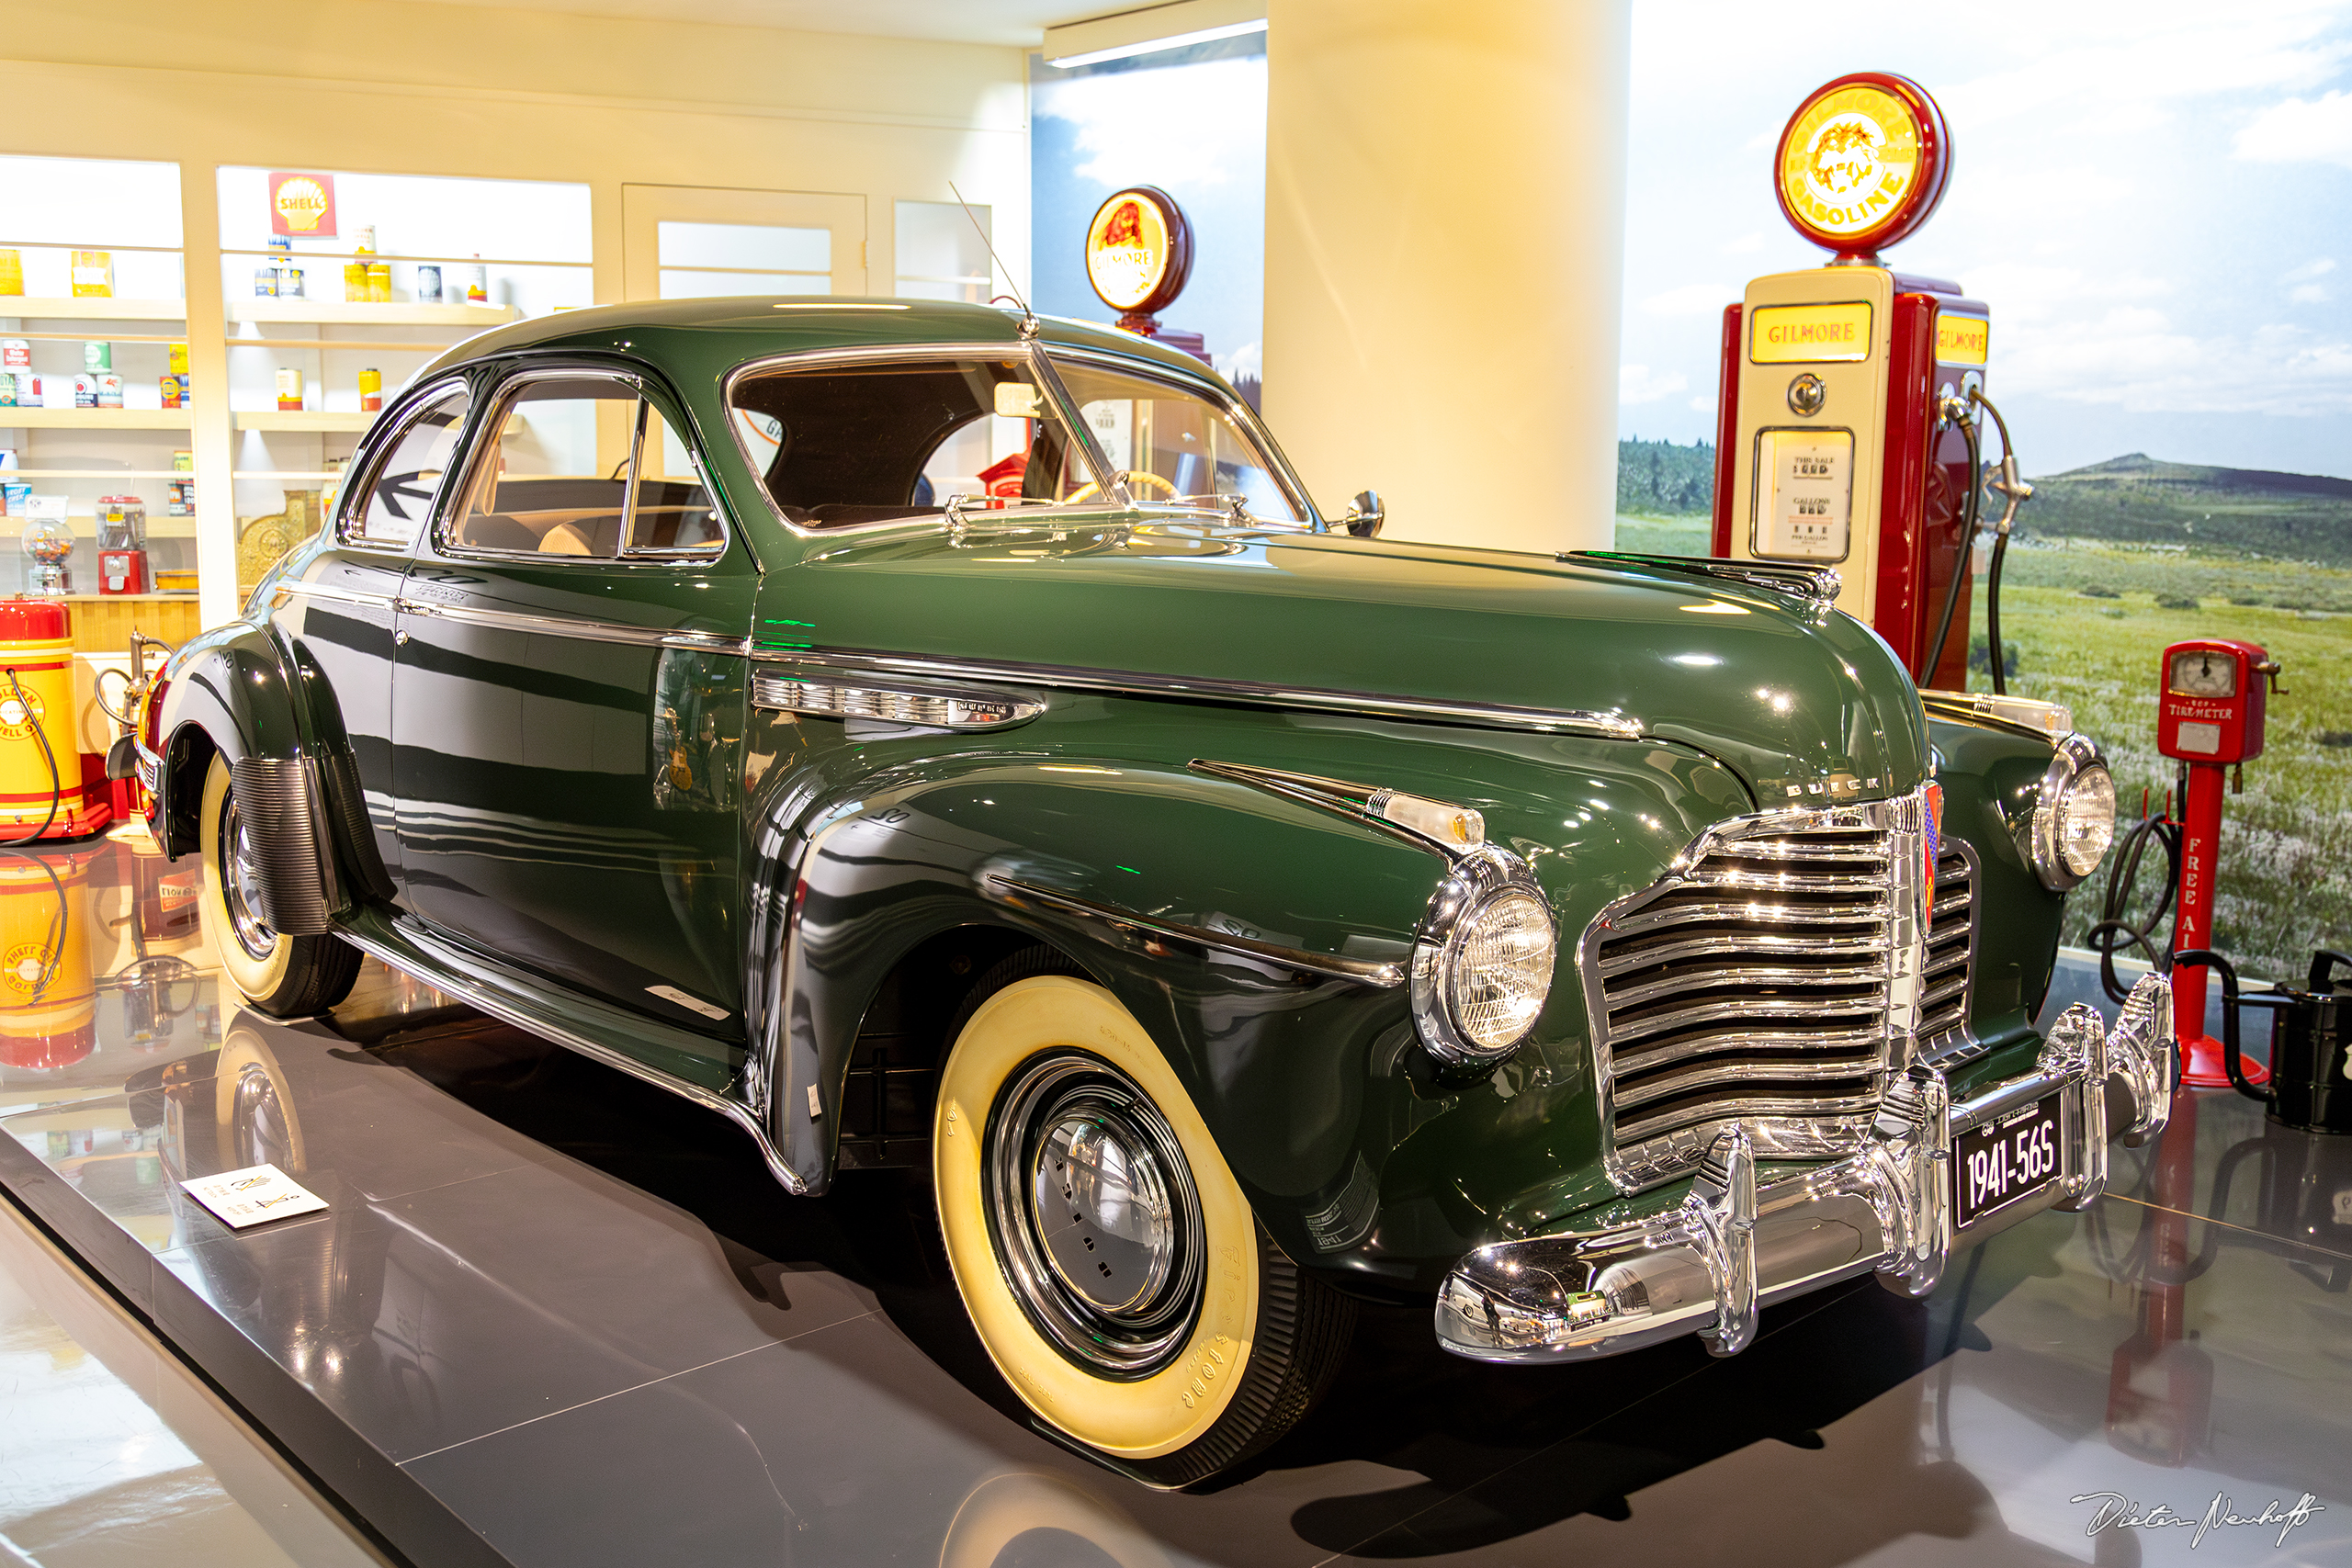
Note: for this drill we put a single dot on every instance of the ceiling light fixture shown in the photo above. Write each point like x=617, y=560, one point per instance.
x=1154, y=46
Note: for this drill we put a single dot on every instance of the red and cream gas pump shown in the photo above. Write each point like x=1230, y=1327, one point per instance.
x=1847, y=417
x=2209, y=718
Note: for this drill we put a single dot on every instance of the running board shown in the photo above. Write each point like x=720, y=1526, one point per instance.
x=509, y=996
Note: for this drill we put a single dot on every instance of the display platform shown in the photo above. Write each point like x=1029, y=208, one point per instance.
x=551, y=1316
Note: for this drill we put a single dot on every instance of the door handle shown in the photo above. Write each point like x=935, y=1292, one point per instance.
x=400, y=640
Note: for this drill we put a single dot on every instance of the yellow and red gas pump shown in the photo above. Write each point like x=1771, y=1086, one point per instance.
x=49, y=789
x=1847, y=416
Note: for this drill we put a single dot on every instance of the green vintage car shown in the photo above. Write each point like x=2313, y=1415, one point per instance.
x=927, y=736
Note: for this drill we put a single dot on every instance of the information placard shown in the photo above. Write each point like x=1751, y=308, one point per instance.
x=253, y=1196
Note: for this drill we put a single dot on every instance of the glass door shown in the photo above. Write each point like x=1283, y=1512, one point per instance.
x=688, y=242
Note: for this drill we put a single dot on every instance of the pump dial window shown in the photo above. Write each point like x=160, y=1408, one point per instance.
x=2203, y=675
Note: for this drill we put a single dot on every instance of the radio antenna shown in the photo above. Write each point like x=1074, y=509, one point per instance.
x=1028, y=317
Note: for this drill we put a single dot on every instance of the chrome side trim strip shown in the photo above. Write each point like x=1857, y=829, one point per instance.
x=1609, y=724
x=1415, y=818
x=589, y=631
x=338, y=595
x=525, y=621
x=925, y=707
x=1330, y=966
x=486, y=999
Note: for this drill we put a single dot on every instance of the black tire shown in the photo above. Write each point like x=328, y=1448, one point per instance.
x=1190, y=1390
x=279, y=974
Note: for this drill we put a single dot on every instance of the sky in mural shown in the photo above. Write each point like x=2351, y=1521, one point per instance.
x=1192, y=121
x=2154, y=197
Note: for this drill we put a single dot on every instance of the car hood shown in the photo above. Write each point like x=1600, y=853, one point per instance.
x=1806, y=704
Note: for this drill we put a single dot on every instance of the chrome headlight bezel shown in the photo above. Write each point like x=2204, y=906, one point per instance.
x=1478, y=878
x=2077, y=756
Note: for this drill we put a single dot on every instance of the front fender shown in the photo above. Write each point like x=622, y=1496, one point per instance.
x=947, y=843
x=1358, y=1153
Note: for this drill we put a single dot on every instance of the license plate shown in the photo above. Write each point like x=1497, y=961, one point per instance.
x=1998, y=1165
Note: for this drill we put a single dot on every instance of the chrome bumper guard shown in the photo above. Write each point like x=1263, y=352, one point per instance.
x=1733, y=1246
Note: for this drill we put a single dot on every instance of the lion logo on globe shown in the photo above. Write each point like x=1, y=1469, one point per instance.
x=1845, y=157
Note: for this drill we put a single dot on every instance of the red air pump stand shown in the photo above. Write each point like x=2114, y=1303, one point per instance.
x=2209, y=718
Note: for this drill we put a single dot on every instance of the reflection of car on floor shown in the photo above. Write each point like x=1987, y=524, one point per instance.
x=1237, y=913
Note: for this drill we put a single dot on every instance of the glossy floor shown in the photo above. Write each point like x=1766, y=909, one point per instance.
x=577, y=1316
x=113, y=1453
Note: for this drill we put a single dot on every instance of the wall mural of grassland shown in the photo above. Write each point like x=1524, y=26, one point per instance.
x=2109, y=564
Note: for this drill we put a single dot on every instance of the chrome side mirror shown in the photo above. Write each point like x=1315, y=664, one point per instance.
x=1365, y=515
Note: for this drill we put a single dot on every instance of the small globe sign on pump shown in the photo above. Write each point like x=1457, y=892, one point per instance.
x=1862, y=164
x=1138, y=255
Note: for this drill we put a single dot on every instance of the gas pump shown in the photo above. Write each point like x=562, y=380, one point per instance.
x=1848, y=415
x=2210, y=717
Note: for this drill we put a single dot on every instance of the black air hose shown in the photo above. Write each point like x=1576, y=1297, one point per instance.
x=2115, y=931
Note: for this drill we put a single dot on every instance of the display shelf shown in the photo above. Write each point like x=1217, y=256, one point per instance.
x=405, y=260
x=84, y=525
x=361, y=345
x=282, y=474
x=79, y=308
x=111, y=337
x=308, y=419
x=326, y=312
x=22, y=418
x=99, y=473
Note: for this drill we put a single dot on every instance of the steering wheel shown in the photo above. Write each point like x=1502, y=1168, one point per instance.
x=1090, y=490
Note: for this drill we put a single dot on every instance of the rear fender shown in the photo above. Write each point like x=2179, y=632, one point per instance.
x=240, y=692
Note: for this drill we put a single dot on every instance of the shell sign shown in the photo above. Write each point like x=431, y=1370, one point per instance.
x=302, y=205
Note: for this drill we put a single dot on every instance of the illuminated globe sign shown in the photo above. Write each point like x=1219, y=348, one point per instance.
x=1862, y=164
x=1138, y=255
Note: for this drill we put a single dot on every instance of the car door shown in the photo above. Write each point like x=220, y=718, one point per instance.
x=570, y=700
x=340, y=611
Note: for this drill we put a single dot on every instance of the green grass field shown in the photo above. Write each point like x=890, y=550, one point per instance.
x=2088, y=619
x=2286, y=883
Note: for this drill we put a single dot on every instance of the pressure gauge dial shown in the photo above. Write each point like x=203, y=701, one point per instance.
x=2202, y=672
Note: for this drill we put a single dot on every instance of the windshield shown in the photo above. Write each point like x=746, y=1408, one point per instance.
x=1173, y=444
x=878, y=440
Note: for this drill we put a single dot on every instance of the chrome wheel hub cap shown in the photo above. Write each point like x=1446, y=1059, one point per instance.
x=1094, y=1214
x=240, y=884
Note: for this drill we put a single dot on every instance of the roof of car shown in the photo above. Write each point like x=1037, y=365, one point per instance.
x=742, y=328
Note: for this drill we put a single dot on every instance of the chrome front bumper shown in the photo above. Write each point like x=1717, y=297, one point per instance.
x=1732, y=1246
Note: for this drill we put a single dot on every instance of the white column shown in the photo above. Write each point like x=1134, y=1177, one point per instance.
x=1444, y=244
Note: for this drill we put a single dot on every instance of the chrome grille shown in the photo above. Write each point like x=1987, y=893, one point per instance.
x=1771, y=980
x=1952, y=947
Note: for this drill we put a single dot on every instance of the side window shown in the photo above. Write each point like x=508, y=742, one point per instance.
x=582, y=465
x=404, y=482
x=550, y=474
x=671, y=511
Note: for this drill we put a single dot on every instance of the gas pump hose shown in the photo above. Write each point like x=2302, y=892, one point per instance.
x=2000, y=550
x=53, y=948
x=56, y=783
x=1971, y=518
x=1972, y=514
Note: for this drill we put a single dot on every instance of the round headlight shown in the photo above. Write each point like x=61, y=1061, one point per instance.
x=2073, y=820
x=1501, y=971
x=2087, y=820
x=1483, y=969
